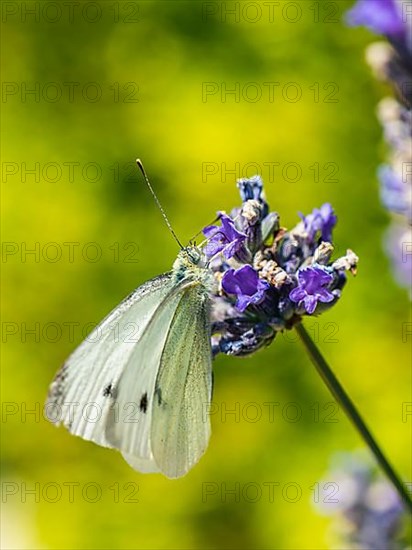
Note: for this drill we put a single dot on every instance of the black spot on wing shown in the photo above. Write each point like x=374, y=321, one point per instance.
x=109, y=391
x=143, y=403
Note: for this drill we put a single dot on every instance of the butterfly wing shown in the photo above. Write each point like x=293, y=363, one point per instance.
x=180, y=426
x=150, y=394
x=83, y=394
x=128, y=426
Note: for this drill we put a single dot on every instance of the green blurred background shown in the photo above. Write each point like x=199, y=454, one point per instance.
x=167, y=50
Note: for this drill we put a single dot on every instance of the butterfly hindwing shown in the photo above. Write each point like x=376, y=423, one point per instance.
x=180, y=424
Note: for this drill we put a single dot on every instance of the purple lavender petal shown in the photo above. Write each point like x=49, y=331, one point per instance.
x=325, y=296
x=226, y=238
x=229, y=282
x=211, y=249
x=248, y=279
x=329, y=220
x=230, y=249
x=310, y=304
x=297, y=294
x=321, y=219
x=311, y=288
x=242, y=303
x=246, y=285
x=210, y=230
x=229, y=228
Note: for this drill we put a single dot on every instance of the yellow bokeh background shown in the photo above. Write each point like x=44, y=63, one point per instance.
x=193, y=144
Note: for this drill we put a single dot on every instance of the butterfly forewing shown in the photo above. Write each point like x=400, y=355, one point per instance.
x=83, y=392
x=180, y=425
x=128, y=426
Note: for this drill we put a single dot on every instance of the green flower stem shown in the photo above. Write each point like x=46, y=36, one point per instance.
x=347, y=404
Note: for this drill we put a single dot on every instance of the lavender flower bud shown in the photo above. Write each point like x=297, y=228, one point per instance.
x=251, y=214
x=270, y=225
x=323, y=253
x=348, y=262
x=379, y=55
x=251, y=211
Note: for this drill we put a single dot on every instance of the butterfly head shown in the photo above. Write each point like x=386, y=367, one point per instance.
x=192, y=254
x=190, y=260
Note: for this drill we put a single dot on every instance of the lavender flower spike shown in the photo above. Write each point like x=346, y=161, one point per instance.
x=392, y=61
x=312, y=282
x=226, y=239
x=246, y=285
x=366, y=511
x=379, y=16
x=268, y=278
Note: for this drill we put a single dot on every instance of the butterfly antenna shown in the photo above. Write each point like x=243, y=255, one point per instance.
x=140, y=165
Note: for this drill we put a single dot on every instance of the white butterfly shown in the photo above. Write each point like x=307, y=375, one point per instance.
x=149, y=396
